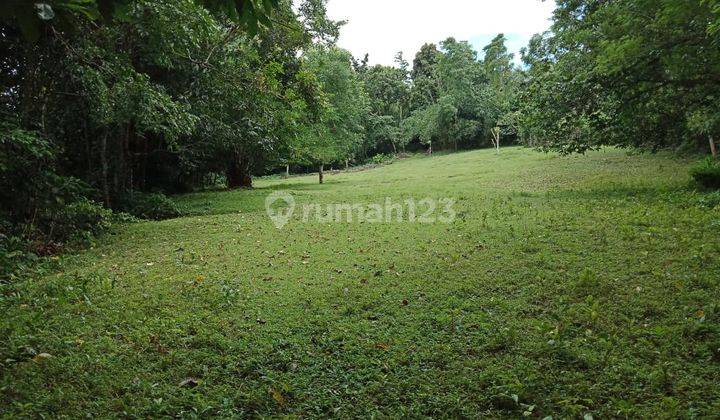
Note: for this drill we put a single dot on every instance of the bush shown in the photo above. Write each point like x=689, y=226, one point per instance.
x=707, y=173
x=153, y=206
x=80, y=219
x=14, y=256
x=710, y=200
x=381, y=158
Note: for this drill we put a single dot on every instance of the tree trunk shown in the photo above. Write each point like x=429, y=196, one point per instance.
x=287, y=171
x=713, y=150
x=238, y=175
x=347, y=164
x=496, y=138
x=104, y=166
x=320, y=173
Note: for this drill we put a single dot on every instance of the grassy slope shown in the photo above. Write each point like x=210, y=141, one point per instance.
x=574, y=284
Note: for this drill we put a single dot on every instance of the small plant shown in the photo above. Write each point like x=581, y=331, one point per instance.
x=707, y=173
x=587, y=284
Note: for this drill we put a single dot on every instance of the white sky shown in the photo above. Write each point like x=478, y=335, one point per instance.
x=381, y=28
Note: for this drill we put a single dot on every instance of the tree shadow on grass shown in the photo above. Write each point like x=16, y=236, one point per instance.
x=620, y=192
x=300, y=186
x=218, y=202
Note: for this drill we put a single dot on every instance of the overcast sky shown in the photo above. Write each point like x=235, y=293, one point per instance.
x=381, y=28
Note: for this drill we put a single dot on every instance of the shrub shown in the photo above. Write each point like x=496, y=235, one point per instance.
x=80, y=219
x=381, y=158
x=710, y=200
x=707, y=173
x=14, y=256
x=153, y=206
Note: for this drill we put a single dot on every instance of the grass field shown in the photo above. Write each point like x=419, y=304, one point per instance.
x=566, y=286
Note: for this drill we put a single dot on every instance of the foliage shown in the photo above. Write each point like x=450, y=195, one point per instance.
x=154, y=206
x=16, y=256
x=388, y=91
x=338, y=132
x=424, y=78
x=31, y=16
x=115, y=97
x=457, y=99
x=31, y=191
x=635, y=73
x=381, y=159
x=80, y=220
x=707, y=173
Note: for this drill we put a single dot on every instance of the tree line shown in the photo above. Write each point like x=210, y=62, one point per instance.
x=108, y=100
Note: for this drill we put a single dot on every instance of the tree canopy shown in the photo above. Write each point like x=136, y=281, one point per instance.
x=108, y=100
x=637, y=73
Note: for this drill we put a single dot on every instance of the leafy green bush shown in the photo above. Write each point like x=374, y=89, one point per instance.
x=14, y=256
x=39, y=207
x=82, y=218
x=710, y=200
x=381, y=158
x=707, y=173
x=153, y=206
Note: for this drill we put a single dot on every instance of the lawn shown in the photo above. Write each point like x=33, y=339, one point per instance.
x=565, y=286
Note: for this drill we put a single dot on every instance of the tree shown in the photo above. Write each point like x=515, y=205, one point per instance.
x=424, y=77
x=454, y=104
x=637, y=73
x=32, y=17
x=462, y=106
x=502, y=89
x=339, y=130
x=388, y=93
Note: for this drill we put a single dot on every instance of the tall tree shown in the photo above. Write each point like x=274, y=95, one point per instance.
x=502, y=89
x=338, y=132
x=424, y=76
x=388, y=91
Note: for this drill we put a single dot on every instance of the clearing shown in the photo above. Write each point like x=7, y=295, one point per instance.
x=566, y=286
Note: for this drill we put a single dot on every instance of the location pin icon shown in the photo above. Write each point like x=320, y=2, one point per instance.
x=280, y=216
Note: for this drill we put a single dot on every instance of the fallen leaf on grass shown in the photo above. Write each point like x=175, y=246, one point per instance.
x=277, y=396
x=189, y=383
x=382, y=346
x=42, y=357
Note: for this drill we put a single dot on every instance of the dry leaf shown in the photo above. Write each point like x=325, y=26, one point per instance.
x=278, y=396
x=42, y=357
x=189, y=383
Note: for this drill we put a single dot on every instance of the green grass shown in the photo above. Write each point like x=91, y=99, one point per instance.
x=567, y=285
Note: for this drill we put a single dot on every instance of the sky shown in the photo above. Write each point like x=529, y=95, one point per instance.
x=381, y=28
